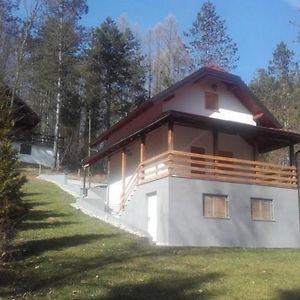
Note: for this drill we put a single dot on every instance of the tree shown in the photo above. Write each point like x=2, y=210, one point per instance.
x=8, y=35
x=57, y=49
x=117, y=77
x=11, y=206
x=276, y=86
x=170, y=58
x=209, y=40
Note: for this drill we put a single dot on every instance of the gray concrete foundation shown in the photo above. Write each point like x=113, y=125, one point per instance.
x=181, y=221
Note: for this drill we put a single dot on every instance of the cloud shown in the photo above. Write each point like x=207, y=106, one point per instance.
x=293, y=3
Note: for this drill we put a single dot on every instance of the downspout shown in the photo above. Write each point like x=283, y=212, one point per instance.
x=297, y=164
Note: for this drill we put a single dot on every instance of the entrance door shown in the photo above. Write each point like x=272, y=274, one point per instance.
x=152, y=215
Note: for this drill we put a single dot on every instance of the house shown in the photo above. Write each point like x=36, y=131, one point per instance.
x=32, y=148
x=184, y=167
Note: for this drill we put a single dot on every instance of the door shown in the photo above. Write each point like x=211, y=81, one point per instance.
x=152, y=215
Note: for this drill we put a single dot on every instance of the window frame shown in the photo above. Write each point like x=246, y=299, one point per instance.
x=227, y=206
x=208, y=101
x=25, y=146
x=272, y=209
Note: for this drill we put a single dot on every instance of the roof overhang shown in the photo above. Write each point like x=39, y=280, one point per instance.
x=266, y=139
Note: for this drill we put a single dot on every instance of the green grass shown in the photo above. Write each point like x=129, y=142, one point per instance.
x=67, y=255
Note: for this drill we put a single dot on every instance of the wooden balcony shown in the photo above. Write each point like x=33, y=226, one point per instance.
x=216, y=168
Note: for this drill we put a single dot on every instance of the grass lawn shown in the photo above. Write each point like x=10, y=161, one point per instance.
x=67, y=255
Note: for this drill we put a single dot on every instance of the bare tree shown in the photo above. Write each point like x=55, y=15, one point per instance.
x=27, y=24
x=170, y=60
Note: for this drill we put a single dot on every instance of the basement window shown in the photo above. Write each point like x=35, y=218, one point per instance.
x=25, y=149
x=211, y=101
x=215, y=206
x=262, y=209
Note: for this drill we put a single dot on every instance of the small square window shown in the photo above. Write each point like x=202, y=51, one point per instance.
x=211, y=101
x=215, y=206
x=25, y=149
x=262, y=209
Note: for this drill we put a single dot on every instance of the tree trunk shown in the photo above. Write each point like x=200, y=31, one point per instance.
x=58, y=97
x=82, y=132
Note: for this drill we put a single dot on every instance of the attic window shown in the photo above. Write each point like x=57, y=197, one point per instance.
x=211, y=101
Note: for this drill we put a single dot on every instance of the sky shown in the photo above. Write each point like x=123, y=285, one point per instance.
x=257, y=26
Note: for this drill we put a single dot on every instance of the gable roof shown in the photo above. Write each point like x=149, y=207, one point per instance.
x=262, y=115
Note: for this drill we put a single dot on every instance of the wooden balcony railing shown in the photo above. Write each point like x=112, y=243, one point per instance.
x=209, y=167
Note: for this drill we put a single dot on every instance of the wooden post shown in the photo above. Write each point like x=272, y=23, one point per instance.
x=170, y=144
x=291, y=155
x=123, y=171
x=170, y=135
x=142, y=157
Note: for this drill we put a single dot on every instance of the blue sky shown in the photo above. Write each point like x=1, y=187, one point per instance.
x=257, y=26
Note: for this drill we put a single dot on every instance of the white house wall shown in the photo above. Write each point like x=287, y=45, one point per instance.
x=40, y=155
x=190, y=99
x=115, y=181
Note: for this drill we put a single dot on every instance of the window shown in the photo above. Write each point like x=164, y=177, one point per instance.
x=211, y=101
x=262, y=209
x=215, y=206
x=25, y=149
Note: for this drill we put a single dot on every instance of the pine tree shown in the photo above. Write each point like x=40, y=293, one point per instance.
x=276, y=86
x=117, y=76
x=11, y=206
x=210, y=42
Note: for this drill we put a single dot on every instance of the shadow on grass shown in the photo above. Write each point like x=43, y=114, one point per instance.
x=28, y=195
x=187, y=288
x=289, y=294
x=43, y=225
x=36, y=247
x=162, y=284
x=39, y=215
x=6, y=277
